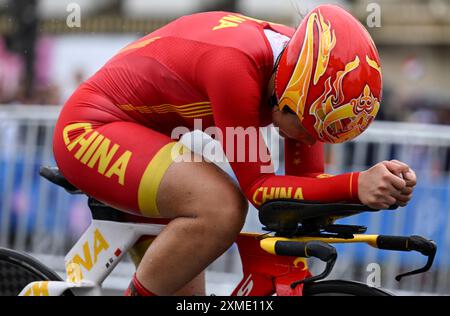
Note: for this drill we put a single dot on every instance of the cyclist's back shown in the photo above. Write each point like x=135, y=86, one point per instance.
x=156, y=78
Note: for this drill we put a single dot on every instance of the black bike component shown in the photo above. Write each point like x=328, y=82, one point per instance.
x=323, y=252
x=315, y=249
x=101, y=211
x=291, y=248
x=328, y=231
x=426, y=247
x=422, y=245
x=311, y=249
x=284, y=216
x=320, y=250
x=17, y=269
x=341, y=288
x=53, y=175
x=345, y=230
x=392, y=242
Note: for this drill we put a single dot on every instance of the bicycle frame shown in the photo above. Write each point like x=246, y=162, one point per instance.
x=93, y=257
x=271, y=265
x=103, y=244
x=266, y=273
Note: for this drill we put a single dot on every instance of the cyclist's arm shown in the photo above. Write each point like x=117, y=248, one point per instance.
x=234, y=88
x=338, y=188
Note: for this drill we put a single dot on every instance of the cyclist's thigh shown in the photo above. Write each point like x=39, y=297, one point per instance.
x=191, y=188
x=118, y=163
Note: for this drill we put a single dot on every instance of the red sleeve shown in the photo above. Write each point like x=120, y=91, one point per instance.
x=234, y=86
x=303, y=160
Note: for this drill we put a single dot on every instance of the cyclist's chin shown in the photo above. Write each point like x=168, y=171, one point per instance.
x=289, y=127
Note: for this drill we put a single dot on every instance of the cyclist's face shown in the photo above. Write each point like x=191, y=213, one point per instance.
x=290, y=127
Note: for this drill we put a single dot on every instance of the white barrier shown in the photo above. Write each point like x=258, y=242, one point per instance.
x=40, y=218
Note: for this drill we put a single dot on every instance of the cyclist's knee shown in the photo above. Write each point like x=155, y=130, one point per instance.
x=204, y=192
x=227, y=210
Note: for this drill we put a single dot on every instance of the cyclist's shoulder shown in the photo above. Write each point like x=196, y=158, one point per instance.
x=222, y=31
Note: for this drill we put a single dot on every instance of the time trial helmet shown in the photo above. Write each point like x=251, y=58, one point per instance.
x=329, y=74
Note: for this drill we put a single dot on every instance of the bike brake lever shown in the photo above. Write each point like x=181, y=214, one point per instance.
x=323, y=252
x=421, y=270
x=425, y=247
x=323, y=275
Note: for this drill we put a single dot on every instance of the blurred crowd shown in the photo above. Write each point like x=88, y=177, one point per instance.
x=19, y=70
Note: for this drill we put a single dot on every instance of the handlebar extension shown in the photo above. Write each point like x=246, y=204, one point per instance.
x=315, y=249
x=413, y=243
x=311, y=249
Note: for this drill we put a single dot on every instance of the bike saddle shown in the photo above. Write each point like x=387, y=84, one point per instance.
x=53, y=175
x=287, y=215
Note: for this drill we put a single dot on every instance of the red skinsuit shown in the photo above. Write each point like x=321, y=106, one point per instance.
x=211, y=66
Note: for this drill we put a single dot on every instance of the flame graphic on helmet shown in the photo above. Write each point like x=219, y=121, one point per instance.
x=297, y=89
x=330, y=114
x=334, y=122
x=327, y=41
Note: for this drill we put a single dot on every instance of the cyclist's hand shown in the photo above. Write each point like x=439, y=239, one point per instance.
x=410, y=178
x=380, y=186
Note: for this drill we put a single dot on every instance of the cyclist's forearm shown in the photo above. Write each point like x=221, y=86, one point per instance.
x=337, y=188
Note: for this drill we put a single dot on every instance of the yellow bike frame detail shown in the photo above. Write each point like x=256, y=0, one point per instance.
x=268, y=244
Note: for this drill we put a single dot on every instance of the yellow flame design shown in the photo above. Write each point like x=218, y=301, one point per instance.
x=327, y=41
x=298, y=86
x=297, y=89
x=340, y=77
x=329, y=125
x=323, y=105
x=373, y=64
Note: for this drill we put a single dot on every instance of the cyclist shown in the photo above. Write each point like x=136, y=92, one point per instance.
x=319, y=83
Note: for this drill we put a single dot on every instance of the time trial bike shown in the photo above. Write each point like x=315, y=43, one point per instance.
x=273, y=263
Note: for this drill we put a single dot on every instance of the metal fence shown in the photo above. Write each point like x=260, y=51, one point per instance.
x=42, y=219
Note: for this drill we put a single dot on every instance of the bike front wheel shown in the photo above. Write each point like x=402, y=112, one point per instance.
x=341, y=288
x=18, y=269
